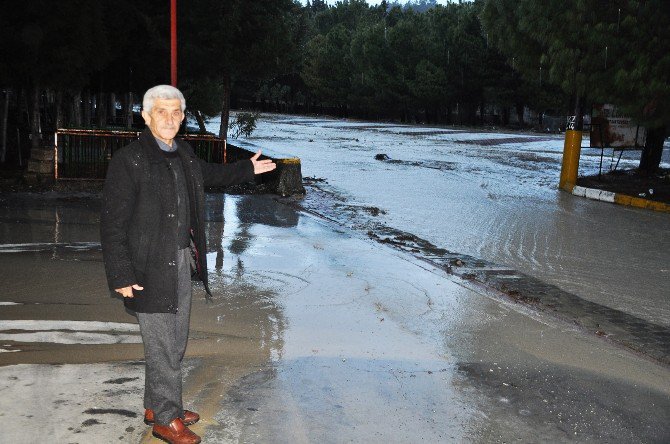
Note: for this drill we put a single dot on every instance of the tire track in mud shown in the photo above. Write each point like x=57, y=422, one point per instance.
x=617, y=327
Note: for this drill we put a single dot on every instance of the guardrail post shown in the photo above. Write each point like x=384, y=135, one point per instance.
x=571, y=151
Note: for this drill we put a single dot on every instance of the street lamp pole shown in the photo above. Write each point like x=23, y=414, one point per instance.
x=173, y=43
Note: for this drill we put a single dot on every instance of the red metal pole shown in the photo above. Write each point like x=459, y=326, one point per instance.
x=173, y=42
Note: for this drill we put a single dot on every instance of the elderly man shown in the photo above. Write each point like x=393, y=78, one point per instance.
x=153, y=238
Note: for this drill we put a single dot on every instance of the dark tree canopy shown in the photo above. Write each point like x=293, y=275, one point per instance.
x=597, y=51
x=85, y=63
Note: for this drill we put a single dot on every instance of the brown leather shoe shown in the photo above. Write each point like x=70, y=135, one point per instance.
x=189, y=418
x=175, y=433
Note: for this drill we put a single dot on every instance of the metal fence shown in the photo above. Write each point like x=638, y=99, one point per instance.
x=85, y=154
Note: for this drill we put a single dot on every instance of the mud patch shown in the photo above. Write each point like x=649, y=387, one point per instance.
x=81, y=411
x=311, y=180
x=427, y=133
x=652, y=187
x=503, y=140
x=518, y=296
x=374, y=211
x=562, y=404
x=121, y=412
x=120, y=380
x=433, y=165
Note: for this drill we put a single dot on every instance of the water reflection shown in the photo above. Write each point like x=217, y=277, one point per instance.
x=239, y=214
x=244, y=306
x=63, y=226
x=257, y=210
x=45, y=240
x=245, y=298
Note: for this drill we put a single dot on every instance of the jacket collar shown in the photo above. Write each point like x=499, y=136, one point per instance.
x=153, y=151
x=150, y=146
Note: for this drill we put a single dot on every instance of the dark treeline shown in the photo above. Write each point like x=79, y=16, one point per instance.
x=85, y=64
x=76, y=63
x=414, y=63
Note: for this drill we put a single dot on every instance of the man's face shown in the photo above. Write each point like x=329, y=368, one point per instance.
x=164, y=119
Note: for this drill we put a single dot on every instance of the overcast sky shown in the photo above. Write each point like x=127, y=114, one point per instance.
x=376, y=2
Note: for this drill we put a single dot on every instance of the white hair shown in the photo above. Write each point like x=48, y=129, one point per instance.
x=165, y=92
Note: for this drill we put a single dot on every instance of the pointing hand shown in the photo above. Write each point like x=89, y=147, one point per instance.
x=262, y=166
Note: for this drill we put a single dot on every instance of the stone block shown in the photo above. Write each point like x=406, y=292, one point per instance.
x=40, y=167
x=42, y=154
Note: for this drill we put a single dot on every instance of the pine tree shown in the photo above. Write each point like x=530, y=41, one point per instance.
x=598, y=51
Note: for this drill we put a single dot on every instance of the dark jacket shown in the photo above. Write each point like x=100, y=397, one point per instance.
x=138, y=224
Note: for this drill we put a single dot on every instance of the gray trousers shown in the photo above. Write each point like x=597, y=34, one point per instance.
x=165, y=336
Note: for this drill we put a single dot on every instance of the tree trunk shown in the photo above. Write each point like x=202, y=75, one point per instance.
x=225, y=108
x=579, y=115
x=101, y=109
x=59, y=109
x=35, y=126
x=129, y=110
x=652, y=151
x=86, y=99
x=76, y=109
x=124, y=106
x=200, y=120
x=505, y=115
x=112, y=107
x=5, y=110
x=519, y=113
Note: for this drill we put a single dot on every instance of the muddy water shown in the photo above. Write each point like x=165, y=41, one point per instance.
x=315, y=334
x=368, y=345
x=488, y=195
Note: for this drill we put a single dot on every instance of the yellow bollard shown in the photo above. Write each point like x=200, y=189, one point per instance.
x=571, y=150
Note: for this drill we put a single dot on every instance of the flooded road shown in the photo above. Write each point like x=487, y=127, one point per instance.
x=316, y=333
x=489, y=195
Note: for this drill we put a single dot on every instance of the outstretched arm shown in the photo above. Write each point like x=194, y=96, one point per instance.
x=236, y=172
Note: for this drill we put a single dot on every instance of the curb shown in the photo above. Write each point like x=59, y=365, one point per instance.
x=621, y=199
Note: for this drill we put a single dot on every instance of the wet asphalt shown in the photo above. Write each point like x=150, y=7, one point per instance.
x=317, y=333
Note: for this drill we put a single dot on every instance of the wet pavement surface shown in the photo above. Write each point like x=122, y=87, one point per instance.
x=317, y=333
x=625, y=329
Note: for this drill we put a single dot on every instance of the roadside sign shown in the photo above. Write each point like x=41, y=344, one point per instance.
x=610, y=129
